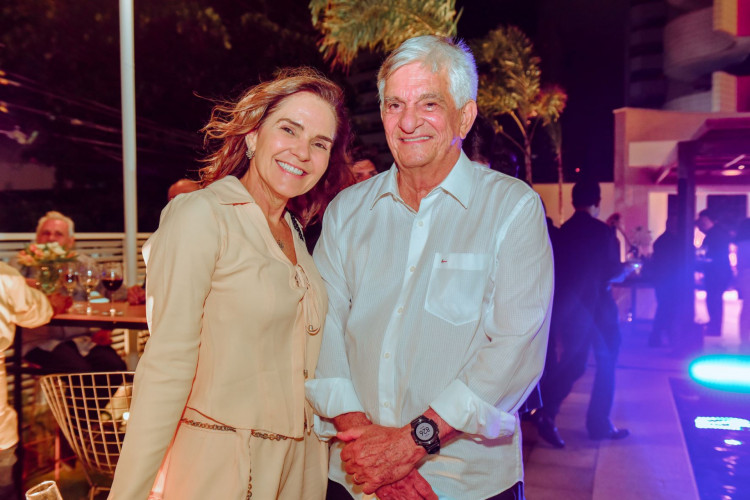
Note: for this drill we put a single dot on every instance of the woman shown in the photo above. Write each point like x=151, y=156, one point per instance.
x=236, y=308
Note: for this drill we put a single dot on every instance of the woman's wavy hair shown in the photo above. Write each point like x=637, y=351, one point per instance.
x=231, y=121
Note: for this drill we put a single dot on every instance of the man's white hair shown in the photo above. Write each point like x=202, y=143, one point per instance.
x=54, y=215
x=437, y=54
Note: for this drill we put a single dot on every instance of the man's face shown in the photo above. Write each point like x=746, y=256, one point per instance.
x=363, y=170
x=55, y=230
x=422, y=125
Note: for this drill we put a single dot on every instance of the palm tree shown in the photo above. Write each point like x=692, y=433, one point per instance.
x=349, y=26
x=510, y=86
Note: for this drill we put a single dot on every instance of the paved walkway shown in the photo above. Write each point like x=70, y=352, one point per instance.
x=652, y=463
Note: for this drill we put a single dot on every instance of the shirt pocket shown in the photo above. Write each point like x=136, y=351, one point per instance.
x=456, y=287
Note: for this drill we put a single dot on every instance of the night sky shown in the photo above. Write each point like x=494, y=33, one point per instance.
x=582, y=47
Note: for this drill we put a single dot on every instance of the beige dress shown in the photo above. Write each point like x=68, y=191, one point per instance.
x=235, y=331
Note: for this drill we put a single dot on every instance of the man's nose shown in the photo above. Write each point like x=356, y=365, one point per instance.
x=409, y=120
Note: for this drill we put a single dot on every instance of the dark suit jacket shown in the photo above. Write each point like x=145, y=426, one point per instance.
x=586, y=259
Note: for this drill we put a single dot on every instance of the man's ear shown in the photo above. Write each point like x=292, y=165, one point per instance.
x=468, y=115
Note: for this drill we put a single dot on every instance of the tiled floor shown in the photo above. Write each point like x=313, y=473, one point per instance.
x=652, y=463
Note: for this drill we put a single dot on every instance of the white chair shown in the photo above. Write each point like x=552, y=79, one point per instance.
x=92, y=412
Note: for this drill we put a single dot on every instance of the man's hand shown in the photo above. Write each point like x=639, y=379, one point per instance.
x=136, y=295
x=347, y=421
x=411, y=487
x=60, y=303
x=376, y=456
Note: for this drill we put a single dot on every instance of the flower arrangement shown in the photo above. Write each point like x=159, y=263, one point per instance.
x=44, y=254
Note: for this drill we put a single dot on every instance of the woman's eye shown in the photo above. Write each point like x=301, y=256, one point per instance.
x=288, y=130
x=322, y=145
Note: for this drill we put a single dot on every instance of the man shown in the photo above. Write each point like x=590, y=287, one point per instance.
x=29, y=308
x=584, y=315
x=65, y=349
x=717, y=271
x=666, y=266
x=439, y=277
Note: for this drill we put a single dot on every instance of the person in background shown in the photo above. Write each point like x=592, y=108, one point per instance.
x=24, y=306
x=137, y=293
x=363, y=166
x=743, y=281
x=439, y=277
x=717, y=271
x=68, y=349
x=182, y=186
x=584, y=316
x=664, y=271
x=237, y=307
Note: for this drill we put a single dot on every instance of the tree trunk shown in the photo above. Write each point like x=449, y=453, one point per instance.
x=527, y=161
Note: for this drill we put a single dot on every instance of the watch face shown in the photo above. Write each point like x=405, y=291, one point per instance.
x=424, y=431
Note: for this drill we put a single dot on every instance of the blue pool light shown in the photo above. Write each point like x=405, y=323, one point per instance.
x=722, y=371
x=733, y=442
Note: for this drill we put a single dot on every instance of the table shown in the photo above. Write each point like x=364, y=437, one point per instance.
x=127, y=316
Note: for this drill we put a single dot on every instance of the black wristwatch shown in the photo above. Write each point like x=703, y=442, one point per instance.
x=425, y=433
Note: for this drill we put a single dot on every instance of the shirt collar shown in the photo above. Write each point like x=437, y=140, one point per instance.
x=230, y=191
x=457, y=184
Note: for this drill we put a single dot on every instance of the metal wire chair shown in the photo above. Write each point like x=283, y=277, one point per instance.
x=92, y=411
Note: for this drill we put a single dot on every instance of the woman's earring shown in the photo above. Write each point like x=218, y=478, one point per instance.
x=249, y=153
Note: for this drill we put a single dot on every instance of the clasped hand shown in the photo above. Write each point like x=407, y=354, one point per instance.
x=382, y=459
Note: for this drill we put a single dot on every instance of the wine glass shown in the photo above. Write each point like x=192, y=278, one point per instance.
x=88, y=276
x=46, y=490
x=69, y=276
x=112, y=281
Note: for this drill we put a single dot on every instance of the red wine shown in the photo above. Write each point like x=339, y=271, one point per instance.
x=112, y=284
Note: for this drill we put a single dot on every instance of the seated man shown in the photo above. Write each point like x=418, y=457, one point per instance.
x=67, y=349
x=27, y=307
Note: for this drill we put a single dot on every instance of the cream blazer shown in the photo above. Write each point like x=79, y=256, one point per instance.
x=228, y=315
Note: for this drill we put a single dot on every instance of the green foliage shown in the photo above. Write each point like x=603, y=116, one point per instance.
x=349, y=26
x=510, y=86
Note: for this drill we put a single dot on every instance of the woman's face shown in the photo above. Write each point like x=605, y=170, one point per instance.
x=293, y=145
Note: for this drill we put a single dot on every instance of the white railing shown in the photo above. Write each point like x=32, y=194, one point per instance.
x=102, y=247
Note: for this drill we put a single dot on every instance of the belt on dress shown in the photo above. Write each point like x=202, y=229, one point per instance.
x=215, y=425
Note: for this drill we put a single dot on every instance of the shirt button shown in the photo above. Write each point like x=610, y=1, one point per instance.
x=412, y=269
x=387, y=355
x=386, y=404
x=400, y=310
x=420, y=223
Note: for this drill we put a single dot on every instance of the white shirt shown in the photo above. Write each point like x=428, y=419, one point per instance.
x=19, y=305
x=447, y=307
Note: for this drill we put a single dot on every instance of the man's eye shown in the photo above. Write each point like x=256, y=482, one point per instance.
x=288, y=130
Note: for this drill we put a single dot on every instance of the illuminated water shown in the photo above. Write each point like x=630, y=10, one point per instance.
x=716, y=425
